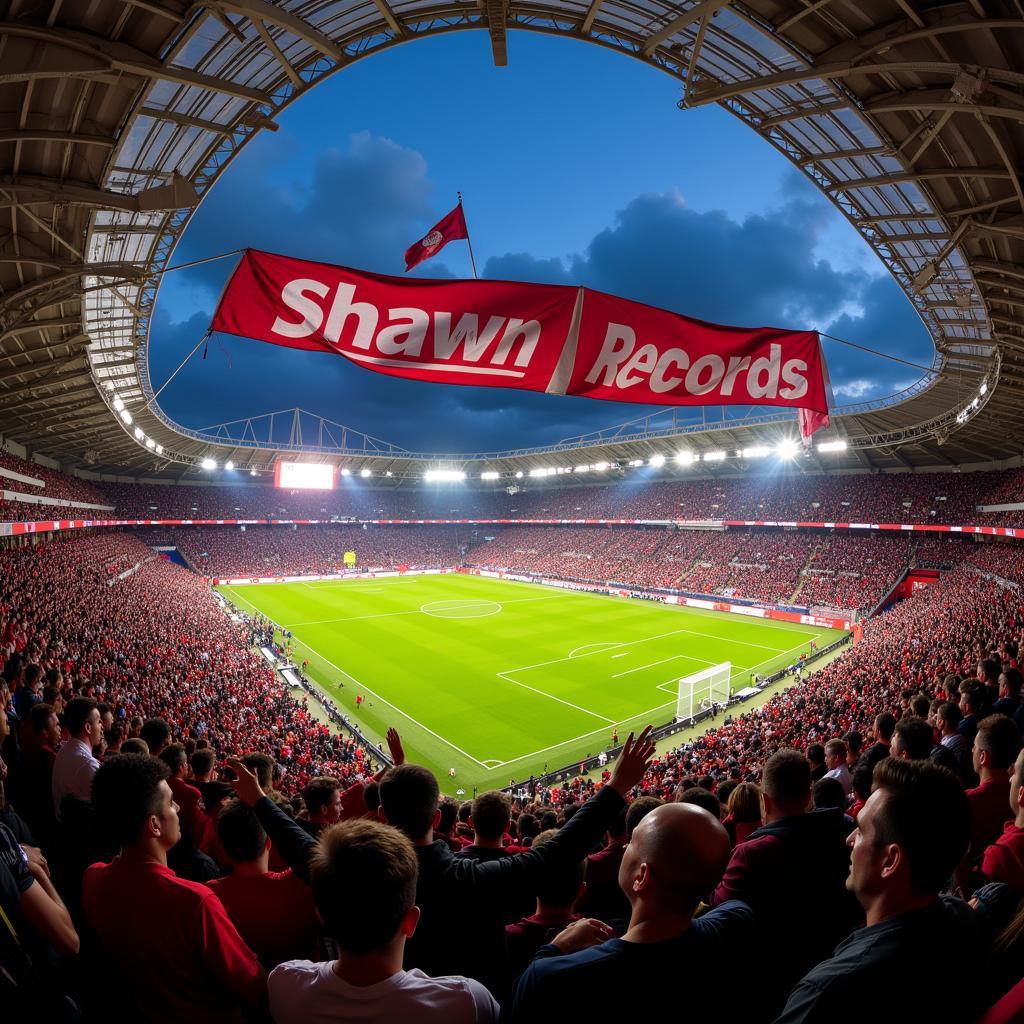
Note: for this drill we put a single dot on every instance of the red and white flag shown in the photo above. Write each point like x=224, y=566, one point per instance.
x=447, y=229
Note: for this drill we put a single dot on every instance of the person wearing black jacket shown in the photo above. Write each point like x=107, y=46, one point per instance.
x=462, y=901
x=792, y=873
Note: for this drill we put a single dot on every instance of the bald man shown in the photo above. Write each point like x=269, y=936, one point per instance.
x=674, y=859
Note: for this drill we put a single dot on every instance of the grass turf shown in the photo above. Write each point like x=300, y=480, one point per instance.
x=499, y=679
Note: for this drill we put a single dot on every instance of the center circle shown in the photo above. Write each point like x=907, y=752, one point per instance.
x=466, y=609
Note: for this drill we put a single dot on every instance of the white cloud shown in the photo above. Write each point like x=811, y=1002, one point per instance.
x=854, y=388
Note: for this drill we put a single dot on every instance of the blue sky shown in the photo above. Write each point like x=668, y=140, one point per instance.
x=576, y=166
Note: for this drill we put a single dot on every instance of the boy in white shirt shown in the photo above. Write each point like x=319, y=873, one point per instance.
x=363, y=877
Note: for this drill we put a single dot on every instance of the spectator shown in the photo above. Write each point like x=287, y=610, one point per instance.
x=912, y=740
x=603, y=897
x=191, y=811
x=557, y=896
x=836, y=754
x=947, y=720
x=322, y=797
x=971, y=702
x=370, y=922
x=995, y=749
x=489, y=820
x=75, y=766
x=33, y=789
x=744, y=812
x=702, y=797
x=454, y=892
x=157, y=734
x=816, y=757
x=1003, y=861
x=449, y=809
x=272, y=910
x=35, y=914
x=1008, y=702
x=675, y=856
x=792, y=873
x=883, y=728
x=910, y=836
x=172, y=941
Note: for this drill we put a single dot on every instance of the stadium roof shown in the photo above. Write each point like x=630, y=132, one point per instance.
x=118, y=115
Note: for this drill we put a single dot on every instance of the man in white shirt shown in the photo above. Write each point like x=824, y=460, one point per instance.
x=835, y=761
x=363, y=876
x=74, y=765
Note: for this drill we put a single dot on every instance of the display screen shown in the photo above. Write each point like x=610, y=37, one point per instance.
x=304, y=476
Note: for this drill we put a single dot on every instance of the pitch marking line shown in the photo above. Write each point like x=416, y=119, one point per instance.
x=551, y=696
x=586, y=647
x=383, y=700
x=468, y=602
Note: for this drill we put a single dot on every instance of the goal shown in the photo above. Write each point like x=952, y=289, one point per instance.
x=702, y=691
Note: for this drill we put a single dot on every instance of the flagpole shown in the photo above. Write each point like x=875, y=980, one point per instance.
x=472, y=260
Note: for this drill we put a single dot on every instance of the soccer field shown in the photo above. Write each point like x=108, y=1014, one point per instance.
x=497, y=678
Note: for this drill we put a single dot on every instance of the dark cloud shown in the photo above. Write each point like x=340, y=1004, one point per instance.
x=366, y=202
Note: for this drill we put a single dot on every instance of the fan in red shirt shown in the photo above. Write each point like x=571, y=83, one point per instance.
x=1003, y=861
x=172, y=941
x=995, y=748
x=273, y=910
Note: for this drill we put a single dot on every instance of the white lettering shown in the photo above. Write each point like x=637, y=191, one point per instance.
x=619, y=341
x=528, y=331
x=659, y=382
x=294, y=297
x=342, y=308
x=404, y=338
x=643, y=362
x=768, y=387
x=792, y=374
x=716, y=366
x=447, y=341
x=736, y=364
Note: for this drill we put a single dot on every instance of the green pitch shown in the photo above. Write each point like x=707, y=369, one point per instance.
x=497, y=678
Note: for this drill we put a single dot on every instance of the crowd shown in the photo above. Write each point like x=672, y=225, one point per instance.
x=951, y=498
x=181, y=838
x=809, y=568
x=226, y=551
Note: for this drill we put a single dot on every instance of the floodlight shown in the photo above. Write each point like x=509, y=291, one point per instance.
x=582, y=469
x=126, y=417
x=984, y=388
x=150, y=443
x=757, y=452
x=657, y=461
x=229, y=465
x=139, y=434
x=714, y=456
x=208, y=464
x=252, y=472
x=788, y=449
x=159, y=449
x=600, y=466
x=388, y=473
x=444, y=475
x=345, y=471
x=832, y=446
x=118, y=404
x=490, y=474
x=365, y=472
x=519, y=474
x=685, y=458
x=538, y=472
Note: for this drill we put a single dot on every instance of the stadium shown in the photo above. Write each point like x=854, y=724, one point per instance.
x=299, y=723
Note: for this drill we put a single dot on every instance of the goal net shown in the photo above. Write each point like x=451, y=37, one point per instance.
x=703, y=690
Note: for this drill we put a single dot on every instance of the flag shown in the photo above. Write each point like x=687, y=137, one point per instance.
x=446, y=230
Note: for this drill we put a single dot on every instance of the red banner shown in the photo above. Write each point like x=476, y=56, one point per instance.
x=536, y=337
